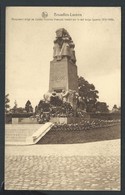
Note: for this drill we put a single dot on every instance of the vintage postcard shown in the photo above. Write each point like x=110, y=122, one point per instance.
x=62, y=98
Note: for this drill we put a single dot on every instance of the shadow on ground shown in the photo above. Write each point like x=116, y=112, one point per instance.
x=81, y=136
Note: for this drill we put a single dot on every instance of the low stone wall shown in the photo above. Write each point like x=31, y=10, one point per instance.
x=68, y=120
x=24, y=121
x=9, y=116
x=64, y=120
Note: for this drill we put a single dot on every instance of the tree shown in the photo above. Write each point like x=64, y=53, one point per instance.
x=7, y=106
x=101, y=107
x=20, y=110
x=88, y=93
x=28, y=107
x=119, y=109
x=115, y=108
x=14, y=109
x=42, y=107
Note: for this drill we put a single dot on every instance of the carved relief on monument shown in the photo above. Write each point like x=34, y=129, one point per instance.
x=63, y=46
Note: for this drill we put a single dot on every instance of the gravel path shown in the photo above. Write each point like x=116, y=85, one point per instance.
x=111, y=147
x=89, y=166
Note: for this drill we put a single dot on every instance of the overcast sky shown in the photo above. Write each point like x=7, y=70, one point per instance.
x=96, y=33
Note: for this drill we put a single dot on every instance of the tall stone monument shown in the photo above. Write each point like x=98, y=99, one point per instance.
x=63, y=80
x=63, y=69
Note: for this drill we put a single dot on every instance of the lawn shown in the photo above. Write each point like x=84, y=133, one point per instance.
x=78, y=136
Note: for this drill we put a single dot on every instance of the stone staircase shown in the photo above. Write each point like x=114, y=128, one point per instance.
x=25, y=134
x=19, y=132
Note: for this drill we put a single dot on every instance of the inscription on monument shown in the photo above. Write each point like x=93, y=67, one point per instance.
x=58, y=78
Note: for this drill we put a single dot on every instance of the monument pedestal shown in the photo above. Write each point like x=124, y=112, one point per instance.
x=65, y=120
x=63, y=76
x=70, y=120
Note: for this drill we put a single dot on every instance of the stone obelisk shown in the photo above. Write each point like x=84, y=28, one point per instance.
x=63, y=69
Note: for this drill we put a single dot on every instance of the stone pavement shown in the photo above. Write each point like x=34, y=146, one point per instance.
x=90, y=166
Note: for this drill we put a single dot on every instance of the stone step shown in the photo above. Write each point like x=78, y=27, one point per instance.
x=19, y=132
x=16, y=134
x=15, y=137
x=12, y=139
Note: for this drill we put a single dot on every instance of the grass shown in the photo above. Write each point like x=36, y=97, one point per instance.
x=78, y=136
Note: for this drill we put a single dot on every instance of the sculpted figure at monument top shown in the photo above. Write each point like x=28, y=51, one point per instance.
x=63, y=46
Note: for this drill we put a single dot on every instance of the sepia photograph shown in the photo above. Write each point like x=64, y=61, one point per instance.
x=63, y=98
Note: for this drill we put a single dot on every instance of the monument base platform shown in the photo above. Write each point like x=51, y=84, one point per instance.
x=69, y=120
x=24, y=121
